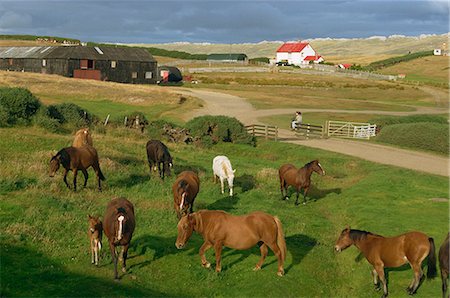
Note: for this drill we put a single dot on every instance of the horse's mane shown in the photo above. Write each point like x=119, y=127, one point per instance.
x=121, y=210
x=357, y=235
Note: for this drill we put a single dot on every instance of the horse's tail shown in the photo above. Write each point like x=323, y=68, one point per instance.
x=100, y=174
x=431, y=272
x=280, y=238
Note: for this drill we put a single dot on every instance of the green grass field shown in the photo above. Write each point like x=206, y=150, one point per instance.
x=45, y=249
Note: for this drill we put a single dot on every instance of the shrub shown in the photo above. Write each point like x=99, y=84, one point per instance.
x=69, y=113
x=214, y=129
x=43, y=119
x=18, y=105
x=3, y=116
x=156, y=129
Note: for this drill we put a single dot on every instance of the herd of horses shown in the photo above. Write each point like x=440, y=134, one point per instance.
x=219, y=228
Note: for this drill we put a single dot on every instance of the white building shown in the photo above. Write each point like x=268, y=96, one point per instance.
x=297, y=53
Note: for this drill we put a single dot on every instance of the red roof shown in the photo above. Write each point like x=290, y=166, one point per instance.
x=292, y=47
x=311, y=58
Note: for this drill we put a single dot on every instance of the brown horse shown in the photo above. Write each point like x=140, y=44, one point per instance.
x=381, y=252
x=119, y=224
x=72, y=158
x=444, y=264
x=298, y=178
x=185, y=189
x=82, y=137
x=95, y=237
x=219, y=228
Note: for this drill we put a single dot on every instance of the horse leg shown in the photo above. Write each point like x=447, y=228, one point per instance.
x=418, y=273
x=203, y=249
x=444, y=277
x=282, y=185
x=96, y=251
x=380, y=271
x=75, y=173
x=65, y=178
x=276, y=250
x=305, y=191
x=376, y=282
x=85, y=173
x=298, y=193
x=124, y=257
x=264, y=251
x=218, y=252
x=221, y=184
x=112, y=248
x=92, y=250
x=159, y=171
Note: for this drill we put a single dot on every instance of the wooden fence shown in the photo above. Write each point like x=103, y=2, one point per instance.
x=266, y=131
x=309, y=131
x=352, y=130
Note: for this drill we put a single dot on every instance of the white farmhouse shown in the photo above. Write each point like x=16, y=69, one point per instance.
x=297, y=53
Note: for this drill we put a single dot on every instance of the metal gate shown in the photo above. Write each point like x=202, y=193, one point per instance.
x=352, y=130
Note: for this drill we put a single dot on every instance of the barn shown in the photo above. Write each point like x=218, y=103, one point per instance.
x=116, y=64
x=297, y=53
x=228, y=57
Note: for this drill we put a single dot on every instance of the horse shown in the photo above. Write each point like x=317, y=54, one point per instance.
x=219, y=228
x=95, y=237
x=222, y=169
x=73, y=158
x=299, y=178
x=381, y=252
x=185, y=189
x=444, y=264
x=119, y=224
x=82, y=137
x=157, y=154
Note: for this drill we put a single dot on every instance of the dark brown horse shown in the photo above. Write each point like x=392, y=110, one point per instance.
x=219, y=228
x=73, y=158
x=157, y=155
x=119, y=224
x=298, y=178
x=444, y=264
x=185, y=189
x=381, y=252
x=95, y=237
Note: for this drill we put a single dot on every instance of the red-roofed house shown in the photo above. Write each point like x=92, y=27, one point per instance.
x=297, y=53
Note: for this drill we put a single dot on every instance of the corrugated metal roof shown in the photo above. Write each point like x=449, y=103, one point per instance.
x=78, y=52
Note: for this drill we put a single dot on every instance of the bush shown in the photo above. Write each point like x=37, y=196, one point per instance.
x=71, y=114
x=155, y=130
x=43, y=119
x=18, y=105
x=214, y=129
x=427, y=136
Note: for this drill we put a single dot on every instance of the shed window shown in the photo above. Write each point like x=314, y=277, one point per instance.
x=134, y=75
x=86, y=64
x=148, y=74
x=44, y=62
x=113, y=64
x=11, y=61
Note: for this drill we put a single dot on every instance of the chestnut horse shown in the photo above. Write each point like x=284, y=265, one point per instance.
x=185, y=189
x=444, y=264
x=95, y=237
x=82, y=137
x=219, y=228
x=298, y=178
x=73, y=158
x=119, y=224
x=381, y=252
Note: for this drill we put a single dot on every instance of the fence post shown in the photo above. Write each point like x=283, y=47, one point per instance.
x=106, y=121
x=267, y=132
x=253, y=130
x=276, y=133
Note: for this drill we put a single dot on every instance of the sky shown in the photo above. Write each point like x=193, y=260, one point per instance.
x=125, y=21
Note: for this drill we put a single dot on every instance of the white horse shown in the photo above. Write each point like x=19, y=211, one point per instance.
x=222, y=169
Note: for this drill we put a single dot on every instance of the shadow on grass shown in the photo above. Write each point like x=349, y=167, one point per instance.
x=245, y=182
x=131, y=181
x=130, y=161
x=28, y=273
x=314, y=194
x=178, y=168
x=226, y=203
x=299, y=246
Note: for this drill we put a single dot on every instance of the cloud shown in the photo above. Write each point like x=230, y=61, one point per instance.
x=12, y=20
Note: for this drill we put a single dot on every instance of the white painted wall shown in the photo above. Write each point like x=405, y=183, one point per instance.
x=296, y=58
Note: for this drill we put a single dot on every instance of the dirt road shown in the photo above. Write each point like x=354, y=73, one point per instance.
x=216, y=103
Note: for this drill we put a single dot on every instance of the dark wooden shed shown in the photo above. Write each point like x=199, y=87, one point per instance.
x=169, y=74
x=117, y=64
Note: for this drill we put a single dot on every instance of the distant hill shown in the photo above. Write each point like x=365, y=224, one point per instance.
x=374, y=46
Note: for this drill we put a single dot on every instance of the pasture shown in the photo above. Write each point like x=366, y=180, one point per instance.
x=45, y=248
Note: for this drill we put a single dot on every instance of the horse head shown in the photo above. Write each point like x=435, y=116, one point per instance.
x=185, y=229
x=344, y=240
x=183, y=195
x=54, y=165
x=317, y=167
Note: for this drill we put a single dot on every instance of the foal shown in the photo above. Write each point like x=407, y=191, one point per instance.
x=185, y=190
x=95, y=236
x=119, y=224
x=381, y=252
x=299, y=178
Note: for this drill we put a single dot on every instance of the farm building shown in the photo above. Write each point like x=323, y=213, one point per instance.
x=297, y=53
x=230, y=57
x=169, y=74
x=123, y=65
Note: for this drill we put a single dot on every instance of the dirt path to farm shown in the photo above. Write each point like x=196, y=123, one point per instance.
x=216, y=103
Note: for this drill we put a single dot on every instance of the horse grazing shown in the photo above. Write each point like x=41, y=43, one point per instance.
x=222, y=169
x=381, y=252
x=157, y=154
x=219, y=228
x=119, y=224
x=73, y=158
x=444, y=264
x=298, y=178
x=82, y=137
x=95, y=237
x=185, y=189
